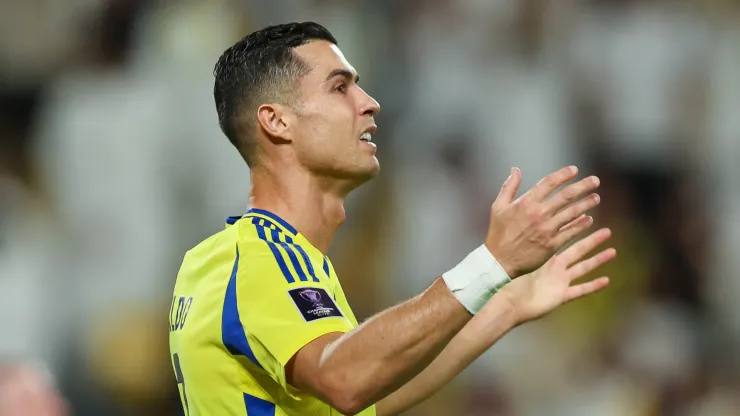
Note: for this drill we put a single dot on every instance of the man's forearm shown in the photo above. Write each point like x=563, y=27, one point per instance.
x=391, y=348
x=472, y=341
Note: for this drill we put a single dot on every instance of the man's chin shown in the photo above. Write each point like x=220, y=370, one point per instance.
x=366, y=175
x=358, y=177
x=373, y=170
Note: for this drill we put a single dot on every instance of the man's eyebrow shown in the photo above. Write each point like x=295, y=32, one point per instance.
x=343, y=73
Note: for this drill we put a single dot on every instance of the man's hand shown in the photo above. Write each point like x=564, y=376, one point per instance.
x=525, y=232
x=521, y=300
x=536, y=294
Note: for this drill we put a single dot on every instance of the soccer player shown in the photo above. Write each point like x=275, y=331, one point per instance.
x=259, y=324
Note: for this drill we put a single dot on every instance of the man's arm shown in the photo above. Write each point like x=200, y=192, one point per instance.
x=359, y=368
x=355, y=370
x=472, y=341
x=525, y=299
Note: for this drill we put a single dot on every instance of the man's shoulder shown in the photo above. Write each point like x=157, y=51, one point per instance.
x=228, y=243
x=227, y=254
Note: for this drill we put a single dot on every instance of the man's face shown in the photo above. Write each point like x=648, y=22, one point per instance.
x=334, y=114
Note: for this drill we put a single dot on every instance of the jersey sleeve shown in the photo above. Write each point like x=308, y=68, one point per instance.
x=283, y=308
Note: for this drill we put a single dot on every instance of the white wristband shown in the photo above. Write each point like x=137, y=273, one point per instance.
x=476, y=279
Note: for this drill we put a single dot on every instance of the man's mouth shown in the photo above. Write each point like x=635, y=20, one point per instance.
x=367, y=136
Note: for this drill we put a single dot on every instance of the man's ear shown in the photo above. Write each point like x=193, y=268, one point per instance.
x=272, y=118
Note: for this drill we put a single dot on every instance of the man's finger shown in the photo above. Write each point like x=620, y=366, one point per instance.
x=572, y=230
x=572, y=193
x=576, y=222
x=579, y=291
x=583, y=247
x=551, y=182
x=586, y=266
x=576, y=210
x=508, y=189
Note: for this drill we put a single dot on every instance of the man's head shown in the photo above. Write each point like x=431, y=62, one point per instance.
x=286, y=92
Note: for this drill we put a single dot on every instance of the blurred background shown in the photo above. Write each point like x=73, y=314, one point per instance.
x=112, y=165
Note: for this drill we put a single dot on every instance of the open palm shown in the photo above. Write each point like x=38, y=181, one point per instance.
x=538, y=293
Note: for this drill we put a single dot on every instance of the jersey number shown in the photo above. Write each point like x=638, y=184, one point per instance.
x=181, y=380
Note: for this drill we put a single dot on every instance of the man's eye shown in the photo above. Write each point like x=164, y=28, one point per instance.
x=341, y=88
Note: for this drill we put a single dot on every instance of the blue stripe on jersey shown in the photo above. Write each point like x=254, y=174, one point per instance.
x=232, y=331
x=274, y=229
x=294, y=259
x=275, y=233
x=258, y=407
x=232, y=220
x=308, y=262
x=287, y=245
x=274, y=217
x=276, y=237
x=291, y=254
x=326, y=267
x=275, y=251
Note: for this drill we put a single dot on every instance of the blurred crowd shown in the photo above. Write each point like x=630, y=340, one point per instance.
x=112, y=165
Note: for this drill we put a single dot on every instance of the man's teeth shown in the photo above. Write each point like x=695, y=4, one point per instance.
x=366, y=136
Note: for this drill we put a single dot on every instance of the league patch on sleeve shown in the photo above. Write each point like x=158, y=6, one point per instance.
x=314, y=303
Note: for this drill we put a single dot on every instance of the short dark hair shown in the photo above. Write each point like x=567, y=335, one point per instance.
x=262, y=67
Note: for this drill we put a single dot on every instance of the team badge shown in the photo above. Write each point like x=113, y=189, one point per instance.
x=314, y=303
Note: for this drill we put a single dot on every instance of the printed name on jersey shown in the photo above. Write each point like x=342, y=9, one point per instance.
x=179, y=313
x=314, y=303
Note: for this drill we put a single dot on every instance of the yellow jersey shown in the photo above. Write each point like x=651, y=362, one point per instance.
x=245, y=301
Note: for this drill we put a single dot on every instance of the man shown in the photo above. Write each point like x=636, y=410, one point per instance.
x=259, y=323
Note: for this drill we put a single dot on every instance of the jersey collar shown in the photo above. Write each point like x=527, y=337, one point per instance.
x=256, y=212
x=274, y=217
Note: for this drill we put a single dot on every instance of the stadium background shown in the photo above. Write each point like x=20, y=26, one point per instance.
x=112, y=165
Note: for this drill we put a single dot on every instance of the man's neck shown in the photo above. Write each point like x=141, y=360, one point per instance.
x=301, y=200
